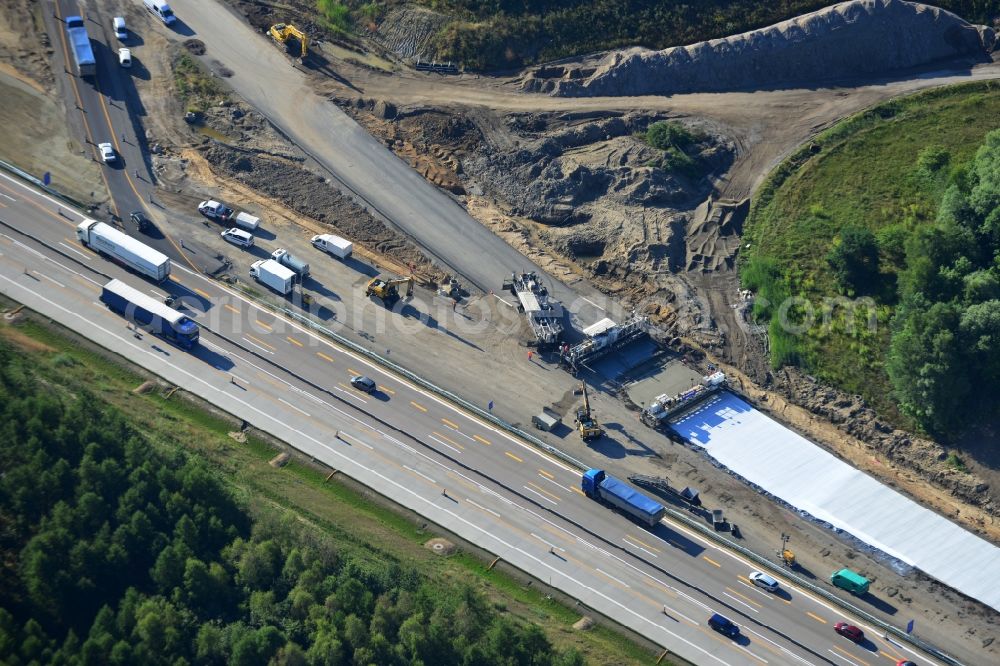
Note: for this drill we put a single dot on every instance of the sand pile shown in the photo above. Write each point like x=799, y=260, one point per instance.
x=860, y=37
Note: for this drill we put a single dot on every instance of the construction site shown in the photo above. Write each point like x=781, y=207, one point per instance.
x=552, y=161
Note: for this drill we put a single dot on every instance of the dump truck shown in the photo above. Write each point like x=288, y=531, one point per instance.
x=597, y=485
x=848, y=580
x=335, y=245
x=288, y=260
x=84, y=64
x=272, y=274
x=123, y=249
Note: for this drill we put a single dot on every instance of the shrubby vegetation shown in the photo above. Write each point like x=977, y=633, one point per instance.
x=498, y=34
x=882, y=180
x=678, y=143
x=116, y=552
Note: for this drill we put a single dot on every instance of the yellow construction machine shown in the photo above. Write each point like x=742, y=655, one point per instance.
x=386, y=291
x=586, y=423
x=294, y=40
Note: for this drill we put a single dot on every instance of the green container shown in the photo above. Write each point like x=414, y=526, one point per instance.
x=850, y=581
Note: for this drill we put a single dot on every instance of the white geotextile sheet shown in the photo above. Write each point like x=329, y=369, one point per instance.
x=802, y=474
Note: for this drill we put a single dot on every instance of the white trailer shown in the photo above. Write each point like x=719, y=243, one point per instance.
x=123, y=249
x=246, y=221
x=272, y=274
x=335, y=245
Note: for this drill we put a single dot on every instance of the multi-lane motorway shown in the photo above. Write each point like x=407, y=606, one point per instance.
x=426, y=454
x=407, y=444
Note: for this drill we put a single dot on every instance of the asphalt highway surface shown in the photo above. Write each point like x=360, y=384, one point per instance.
x=457, y=471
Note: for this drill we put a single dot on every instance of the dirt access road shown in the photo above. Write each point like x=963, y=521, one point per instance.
x=766, y=125
x=384, y=183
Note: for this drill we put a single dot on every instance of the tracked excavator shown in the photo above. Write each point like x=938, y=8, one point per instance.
x=386, y=291
x=295, y=41
x=586, y=423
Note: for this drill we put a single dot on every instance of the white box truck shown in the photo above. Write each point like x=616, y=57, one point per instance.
x=335, y=245
x=272, y=274
x=160, y=10
x=123, y=249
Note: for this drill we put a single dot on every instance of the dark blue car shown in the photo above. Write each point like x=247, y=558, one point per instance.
x=724, y=625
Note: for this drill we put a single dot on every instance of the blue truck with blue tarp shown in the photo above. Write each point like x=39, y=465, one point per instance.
x=598, y=485
x=148, y=313
x=84, y=63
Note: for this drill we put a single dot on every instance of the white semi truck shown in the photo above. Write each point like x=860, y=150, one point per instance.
x=272, y=274
x=123, y=249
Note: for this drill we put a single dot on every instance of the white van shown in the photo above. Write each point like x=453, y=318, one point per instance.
x=335, y=245
x=238, y=237
x=121, y=32
x=160, y=10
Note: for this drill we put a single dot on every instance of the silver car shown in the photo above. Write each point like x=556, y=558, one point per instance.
x=107, y=152
x=761, y=579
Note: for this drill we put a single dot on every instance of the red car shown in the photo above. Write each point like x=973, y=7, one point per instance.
x=849, y=631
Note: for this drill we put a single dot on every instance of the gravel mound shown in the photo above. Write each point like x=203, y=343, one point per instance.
x=407, y=31
x=860, y=37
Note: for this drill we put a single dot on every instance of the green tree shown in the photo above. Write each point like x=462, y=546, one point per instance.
x=854, y=259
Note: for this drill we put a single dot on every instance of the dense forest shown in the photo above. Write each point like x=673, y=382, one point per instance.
x=943, y=362
x=498, y=34
x=115, y=550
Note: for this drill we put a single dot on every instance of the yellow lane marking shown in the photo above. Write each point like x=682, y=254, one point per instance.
x=450, y=424
x=545, y=474
x=202, y=293
x=744, y=598
x=420, y=407
x=887, y=656
x=816, y=617
x=387, y=390
x=343, y=386
x=450, y=441
x=851, y=656
x=482, y=440
x=512, y=456
x=353, y=371
x=293, y=341
x=579, y=491
x=643, y=543
x=259, y=341
x=544, y=492
x=711, y=561
x=173, y=278
x=231, y=308
x=325, y=357
x=262, y=324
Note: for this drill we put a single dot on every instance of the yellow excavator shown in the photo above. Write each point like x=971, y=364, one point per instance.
x=386, y=291
x=586, y=423
x=294, y=40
